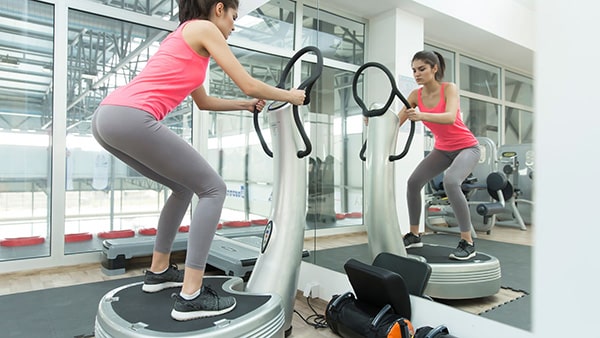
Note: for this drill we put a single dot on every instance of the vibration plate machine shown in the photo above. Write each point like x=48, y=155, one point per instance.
x=450, y=279
x=265, y=304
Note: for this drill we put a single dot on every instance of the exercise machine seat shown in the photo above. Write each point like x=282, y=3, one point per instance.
x=414, y=272
x=378, y=287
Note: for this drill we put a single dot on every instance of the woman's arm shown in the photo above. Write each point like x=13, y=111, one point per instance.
x=206, y=102
x=447, y=117
x=413, y=101
x=205, y=37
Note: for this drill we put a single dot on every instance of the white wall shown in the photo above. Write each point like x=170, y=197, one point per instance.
x=567, y=121
x=507, y=19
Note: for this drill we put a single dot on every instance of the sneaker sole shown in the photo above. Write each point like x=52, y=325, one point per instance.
x=414, y=245
x=185, y=316
x=463, y=258
x=159, y=287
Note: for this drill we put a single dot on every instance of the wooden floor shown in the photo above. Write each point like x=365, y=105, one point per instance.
x=57, y=277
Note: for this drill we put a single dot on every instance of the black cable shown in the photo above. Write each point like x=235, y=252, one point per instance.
x=316, y=320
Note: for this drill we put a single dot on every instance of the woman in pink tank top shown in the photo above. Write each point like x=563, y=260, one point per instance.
x=455, y=152
x=127, y=124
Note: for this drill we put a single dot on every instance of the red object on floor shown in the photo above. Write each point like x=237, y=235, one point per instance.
x=263, y=221
x=219, y=226
x=78, y=237
x=147, y=231
x=237, y=224
x=116, y=234
x=22, y=241
x=434, y=209
x=340, y=216
x=354, y=214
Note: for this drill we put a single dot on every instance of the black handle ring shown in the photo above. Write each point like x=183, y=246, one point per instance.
x=307, y=85
x=394, y=92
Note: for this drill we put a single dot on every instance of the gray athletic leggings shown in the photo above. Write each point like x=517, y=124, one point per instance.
x=460, y=164
x=138, y=139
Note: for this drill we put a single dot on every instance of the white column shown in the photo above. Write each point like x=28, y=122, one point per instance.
x=394, y=37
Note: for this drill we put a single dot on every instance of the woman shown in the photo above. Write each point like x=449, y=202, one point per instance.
x=127, y=124
x=455, y=149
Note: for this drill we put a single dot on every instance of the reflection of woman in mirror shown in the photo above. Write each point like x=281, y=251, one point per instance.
x=455, y=150
x=127, y=124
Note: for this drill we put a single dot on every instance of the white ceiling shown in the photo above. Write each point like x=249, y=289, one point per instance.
x=465, y=37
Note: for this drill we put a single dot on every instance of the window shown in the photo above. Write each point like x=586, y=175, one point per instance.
x=518, y=126
x=106, y=47
x=449, y=60
x=165, y=9
x=26, y=63
x=104, y=194
x=519, y=89
x=233, y=146
x=479, y=78
x=338, y=38
x=494, y=102
x=481, y=117
x=335, y=169
x=271, y=24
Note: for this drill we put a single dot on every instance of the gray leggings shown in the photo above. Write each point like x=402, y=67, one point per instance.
x=138, y=139
x=460, y=164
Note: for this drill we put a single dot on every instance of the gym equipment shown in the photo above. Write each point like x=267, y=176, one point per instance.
x=450, y=279
x=379, y=307
x=380, y=213
x=517, y=162
x=233, y=251
x=502, y=191
x=416, y=273
x=504, y=175
x=440, y=331
x=265, y=304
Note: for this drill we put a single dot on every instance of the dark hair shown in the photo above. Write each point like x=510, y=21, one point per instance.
x=432, y=58
x=200, y=9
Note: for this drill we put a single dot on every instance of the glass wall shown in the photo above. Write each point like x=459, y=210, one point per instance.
x=518, y=123
x=495, y=102
x=449, y=61
x=518, y=126
x=479, y=78
x=103, y=52
x=233, y=146
x=482, y=82
x=338, y=38
x=335, y=170
x=26, y=70
x=481, y=117
x=107, y=44
x=103, y=194
x=272, y=24
x=164, y=9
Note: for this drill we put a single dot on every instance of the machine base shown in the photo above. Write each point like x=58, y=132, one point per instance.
x=129, y=312
x=452, y=279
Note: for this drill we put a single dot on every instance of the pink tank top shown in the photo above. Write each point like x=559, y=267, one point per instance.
x=167, y=79
x=448, y=137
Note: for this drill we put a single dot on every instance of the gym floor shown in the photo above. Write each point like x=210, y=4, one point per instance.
x=64, y=276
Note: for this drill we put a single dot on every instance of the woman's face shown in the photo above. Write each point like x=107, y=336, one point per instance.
x=224, y=19
x=423, y=72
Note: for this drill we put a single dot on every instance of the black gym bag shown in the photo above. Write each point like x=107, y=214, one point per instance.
x=430, y=332
x=350, y=318
x=381, y=307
